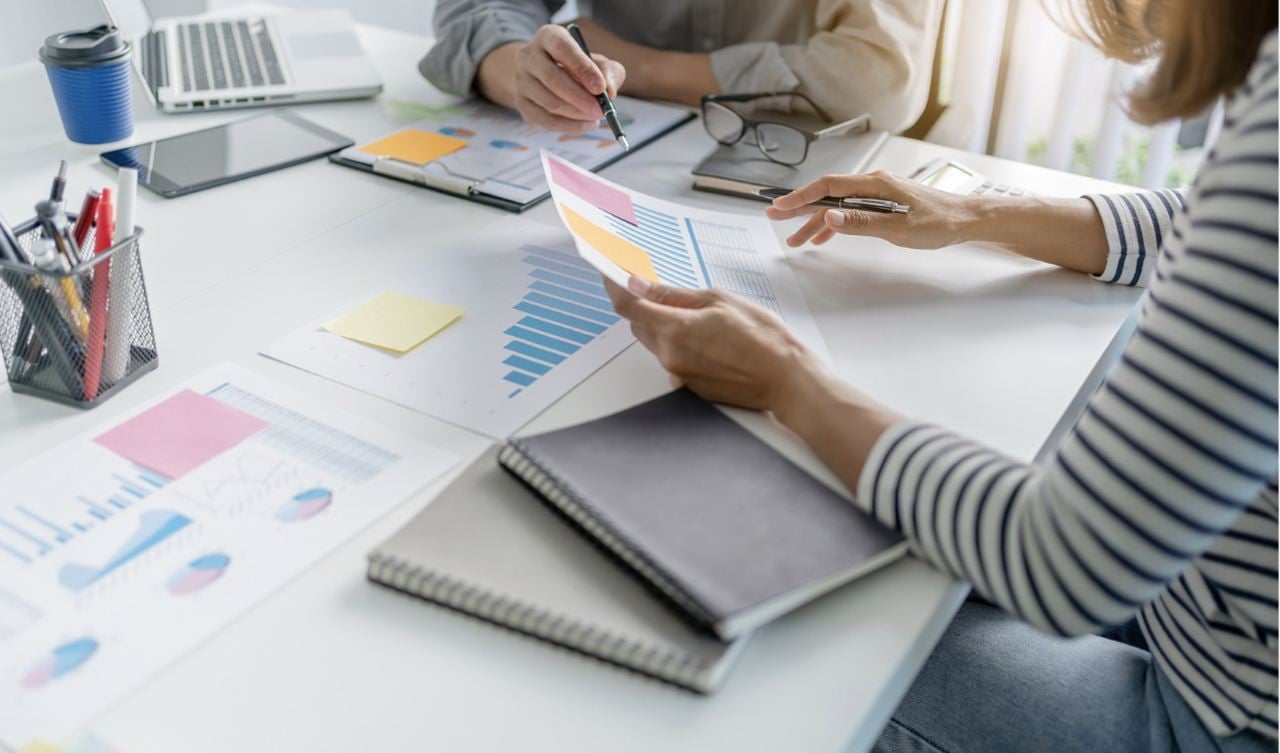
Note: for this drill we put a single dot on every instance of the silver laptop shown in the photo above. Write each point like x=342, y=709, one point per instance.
x=192, y=64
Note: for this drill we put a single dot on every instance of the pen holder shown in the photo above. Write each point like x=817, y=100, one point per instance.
x=52, y=345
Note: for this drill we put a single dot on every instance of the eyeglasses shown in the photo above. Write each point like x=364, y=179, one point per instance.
x=780, y=142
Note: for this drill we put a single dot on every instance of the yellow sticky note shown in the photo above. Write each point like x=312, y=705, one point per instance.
x=394, y=322
x=624, y=253
x=414, y=146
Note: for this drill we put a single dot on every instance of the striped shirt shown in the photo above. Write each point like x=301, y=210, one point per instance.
x=1162, y=502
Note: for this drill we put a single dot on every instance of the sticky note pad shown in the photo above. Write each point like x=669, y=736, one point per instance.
x=414, y=146
x=622, y=252
x=593, y=190
x=394, y=322
x=180, y=434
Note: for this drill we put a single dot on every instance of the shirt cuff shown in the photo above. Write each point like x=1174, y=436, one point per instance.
x=752, y=67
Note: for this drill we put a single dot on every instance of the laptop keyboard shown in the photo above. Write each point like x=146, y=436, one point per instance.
x=227, y=55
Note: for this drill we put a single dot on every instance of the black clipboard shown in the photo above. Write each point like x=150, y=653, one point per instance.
x=495, y=201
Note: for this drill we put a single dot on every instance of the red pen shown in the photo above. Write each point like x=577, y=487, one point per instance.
x=84, y=220
x=98, y=298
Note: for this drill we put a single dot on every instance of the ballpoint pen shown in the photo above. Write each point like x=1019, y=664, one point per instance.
x=848, y=202
x=606, y=104
x=84, y=220
x=59, y=183
x=66, y=295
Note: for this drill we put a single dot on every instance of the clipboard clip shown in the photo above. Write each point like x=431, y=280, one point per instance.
x=452, y=182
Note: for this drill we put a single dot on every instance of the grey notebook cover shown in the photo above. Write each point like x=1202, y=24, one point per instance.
x=741, y=169
x=488, y=548
x=730, y=530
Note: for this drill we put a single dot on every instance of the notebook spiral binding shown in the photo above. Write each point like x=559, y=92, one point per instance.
x=539, y=623
x=520, y=462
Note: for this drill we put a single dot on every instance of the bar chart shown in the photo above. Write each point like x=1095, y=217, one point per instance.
x=564, y=310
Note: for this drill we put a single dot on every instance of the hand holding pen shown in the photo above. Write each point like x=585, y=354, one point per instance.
x=878, y=204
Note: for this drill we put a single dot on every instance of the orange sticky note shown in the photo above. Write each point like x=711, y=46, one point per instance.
x=624, y=253
x=414, y=146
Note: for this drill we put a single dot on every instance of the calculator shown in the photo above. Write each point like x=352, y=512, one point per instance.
x=954, y=177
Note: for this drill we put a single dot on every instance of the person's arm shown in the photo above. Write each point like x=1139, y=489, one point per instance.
x=467, y=31
x=872, y=56
x=1108, y=236
x=652, y=73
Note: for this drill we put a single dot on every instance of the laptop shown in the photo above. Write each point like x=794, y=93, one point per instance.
x=191, y=64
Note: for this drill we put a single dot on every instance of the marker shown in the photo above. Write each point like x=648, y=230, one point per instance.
x=98, y=298
x=606, y=104
x=120, y=308
x=849, y=202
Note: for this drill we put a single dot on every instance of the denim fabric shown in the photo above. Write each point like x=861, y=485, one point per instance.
x=995, y=684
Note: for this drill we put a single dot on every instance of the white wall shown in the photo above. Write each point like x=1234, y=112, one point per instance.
x=25, y=23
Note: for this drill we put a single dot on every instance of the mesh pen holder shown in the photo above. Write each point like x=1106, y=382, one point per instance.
x=47, y=327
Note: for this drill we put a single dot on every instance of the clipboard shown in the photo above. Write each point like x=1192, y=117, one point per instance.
x=495, y=125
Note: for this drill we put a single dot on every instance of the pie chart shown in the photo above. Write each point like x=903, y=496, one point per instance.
x=62, y=660
x=198, y=573
x=305, y=505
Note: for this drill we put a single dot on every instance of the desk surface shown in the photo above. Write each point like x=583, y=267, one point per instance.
x=973, y=338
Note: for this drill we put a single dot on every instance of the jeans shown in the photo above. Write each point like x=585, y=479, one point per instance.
x=995, y=684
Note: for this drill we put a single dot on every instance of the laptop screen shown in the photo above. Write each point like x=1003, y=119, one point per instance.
x=130, y=16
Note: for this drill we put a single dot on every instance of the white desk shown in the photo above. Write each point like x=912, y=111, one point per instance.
x=973, y=338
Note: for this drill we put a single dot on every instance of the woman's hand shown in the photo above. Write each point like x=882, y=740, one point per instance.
x=718, y=345
x=936, y=218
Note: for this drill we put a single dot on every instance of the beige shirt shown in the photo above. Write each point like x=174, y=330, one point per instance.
x=850, y=56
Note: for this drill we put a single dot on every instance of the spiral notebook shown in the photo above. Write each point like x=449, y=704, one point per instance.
x=730, y=531
x=489, y=549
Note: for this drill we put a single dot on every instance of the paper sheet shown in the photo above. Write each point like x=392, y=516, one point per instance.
x=538, y=322
x=684, y=247
x=501, y=158
x=108, y=571
x=414, y=146
x=180, y=434
x=394, y=321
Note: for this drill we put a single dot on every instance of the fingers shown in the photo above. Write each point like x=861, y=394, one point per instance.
x=807, y=231
x=666, y=295
x=872, y=185
x=614, y=74
x=559, y=84
x=567, y=54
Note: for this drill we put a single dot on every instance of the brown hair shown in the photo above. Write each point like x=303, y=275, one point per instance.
x=1205, y=47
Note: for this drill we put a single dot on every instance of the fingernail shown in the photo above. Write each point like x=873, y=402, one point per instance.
x=835, y=217
x=639, y=285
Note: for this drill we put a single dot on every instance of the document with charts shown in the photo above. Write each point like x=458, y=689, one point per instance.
x=621, y=232
x=537, y=322
x=123, y=549
x=498, y=160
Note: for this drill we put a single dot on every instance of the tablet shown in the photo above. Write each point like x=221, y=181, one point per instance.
x=203, y=159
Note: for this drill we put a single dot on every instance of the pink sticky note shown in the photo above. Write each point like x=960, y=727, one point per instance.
x=180, y=434
x=591, y=189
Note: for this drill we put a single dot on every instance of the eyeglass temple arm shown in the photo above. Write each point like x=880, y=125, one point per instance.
x=765, y=95
x=859, y=124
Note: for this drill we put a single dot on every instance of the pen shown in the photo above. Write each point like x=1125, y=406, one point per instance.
x=53, y=332
x=59, y=183
x=606, y=104
x=64, y=292
x=84, y=220
x=848, y=202
x=10, y=249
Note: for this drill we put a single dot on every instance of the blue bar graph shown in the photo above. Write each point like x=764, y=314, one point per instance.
x=32, y=528
x=564, y=308
x=658, y=234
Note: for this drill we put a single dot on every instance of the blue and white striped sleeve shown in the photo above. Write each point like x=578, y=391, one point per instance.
x=1137, y=225
x=1180, y=439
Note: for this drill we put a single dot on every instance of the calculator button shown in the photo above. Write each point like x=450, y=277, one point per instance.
x=987, y=184
x=1016, y=192
x=979, y=190
x=1002, y=188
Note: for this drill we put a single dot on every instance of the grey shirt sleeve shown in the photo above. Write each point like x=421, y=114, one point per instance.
x=467, y=30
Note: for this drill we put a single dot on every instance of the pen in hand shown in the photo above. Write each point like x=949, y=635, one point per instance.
x=847, y=202
x=606, y=104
